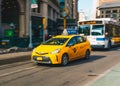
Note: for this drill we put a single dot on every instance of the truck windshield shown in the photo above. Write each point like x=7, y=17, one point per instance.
x=97, y=30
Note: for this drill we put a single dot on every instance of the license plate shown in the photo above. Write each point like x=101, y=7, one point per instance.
x=39, y=58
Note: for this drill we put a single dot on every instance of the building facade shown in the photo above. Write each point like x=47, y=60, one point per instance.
x=110, y=10
x=71, y=6
x=75, y=9
x=104, y=1
x=17, y=14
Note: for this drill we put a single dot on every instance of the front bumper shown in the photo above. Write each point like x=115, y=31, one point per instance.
x=46, y=59
x=42, y=59
x=97, y=46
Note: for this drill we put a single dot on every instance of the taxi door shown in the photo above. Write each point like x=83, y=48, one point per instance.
x=73, y=48
x=81, y=46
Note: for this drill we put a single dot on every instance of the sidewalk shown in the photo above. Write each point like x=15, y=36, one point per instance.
x=14, y=54
x=110, y=78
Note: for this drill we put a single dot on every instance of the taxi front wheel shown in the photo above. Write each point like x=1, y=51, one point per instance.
x=64, y=60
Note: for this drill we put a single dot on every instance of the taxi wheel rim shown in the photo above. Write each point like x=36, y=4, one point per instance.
x=64, y=60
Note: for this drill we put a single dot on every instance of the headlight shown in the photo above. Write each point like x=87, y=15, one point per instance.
x=55, y=51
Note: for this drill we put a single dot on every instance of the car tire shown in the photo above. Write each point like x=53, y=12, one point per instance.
x=64, y=60
x=87, y=55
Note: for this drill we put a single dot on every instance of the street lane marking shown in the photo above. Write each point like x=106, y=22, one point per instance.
x=17, y=71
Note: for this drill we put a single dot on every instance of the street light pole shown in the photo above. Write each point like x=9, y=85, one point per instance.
x=64, y=20
x=30, y=30
x=0, y=15
x=65, y=13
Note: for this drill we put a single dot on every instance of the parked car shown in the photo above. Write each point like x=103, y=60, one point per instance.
x=62, y=49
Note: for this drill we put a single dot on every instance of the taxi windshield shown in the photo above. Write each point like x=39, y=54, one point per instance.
x=55, y=41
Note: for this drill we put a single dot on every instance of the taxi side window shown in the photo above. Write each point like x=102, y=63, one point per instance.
x=72, y=42
x=80, y=39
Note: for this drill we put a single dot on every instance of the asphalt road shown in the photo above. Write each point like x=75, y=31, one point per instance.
x=76, y=73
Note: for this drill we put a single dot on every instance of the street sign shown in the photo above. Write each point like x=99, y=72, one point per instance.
x=34, y=4
x=71, y=31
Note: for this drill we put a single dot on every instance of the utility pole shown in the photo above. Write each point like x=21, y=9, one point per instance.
x=65, y=13
x=30, y=30
x=0, y=20
x=33, y=4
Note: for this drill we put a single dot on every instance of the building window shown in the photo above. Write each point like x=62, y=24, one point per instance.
x=114, y=11
x=49, y=11
x=108, y=11
x=102, y=16
x=107, y=16
x=102, y=12
x=54, y=14
x=39, y=7
x=58, y=15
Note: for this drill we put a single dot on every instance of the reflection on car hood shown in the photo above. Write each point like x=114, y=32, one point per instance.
x=47, y=48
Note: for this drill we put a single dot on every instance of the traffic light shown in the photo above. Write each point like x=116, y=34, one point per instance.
x=33, y=2
x=62, y=4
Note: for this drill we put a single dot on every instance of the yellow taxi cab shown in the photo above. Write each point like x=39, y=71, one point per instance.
x=62, y=49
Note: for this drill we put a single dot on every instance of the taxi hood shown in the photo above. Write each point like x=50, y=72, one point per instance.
x=47, y=48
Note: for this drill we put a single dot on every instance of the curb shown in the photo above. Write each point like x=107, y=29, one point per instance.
x=13, y=49
x=14, y=60
x=14, y=54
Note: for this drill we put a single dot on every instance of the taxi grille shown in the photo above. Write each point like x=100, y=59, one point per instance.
x=44, y=59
